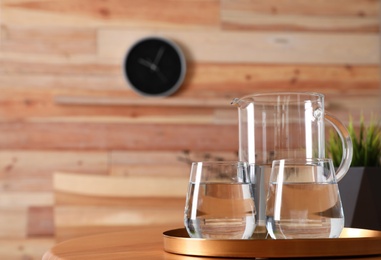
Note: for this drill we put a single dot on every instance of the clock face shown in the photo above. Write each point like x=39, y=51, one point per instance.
x=155, y=66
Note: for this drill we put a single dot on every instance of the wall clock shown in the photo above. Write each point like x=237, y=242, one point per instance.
x=155, y=66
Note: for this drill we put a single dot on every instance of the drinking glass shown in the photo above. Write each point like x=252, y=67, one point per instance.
x=303, y=200
x=220, y=201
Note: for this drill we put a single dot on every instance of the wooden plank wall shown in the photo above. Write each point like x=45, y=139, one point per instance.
x=65, y=106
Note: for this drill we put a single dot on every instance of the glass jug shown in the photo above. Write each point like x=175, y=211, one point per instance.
x=284, y=125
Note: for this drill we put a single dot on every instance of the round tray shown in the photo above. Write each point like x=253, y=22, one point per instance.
x=352, y=242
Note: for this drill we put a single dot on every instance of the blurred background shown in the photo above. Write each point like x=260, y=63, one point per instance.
x=77, y=144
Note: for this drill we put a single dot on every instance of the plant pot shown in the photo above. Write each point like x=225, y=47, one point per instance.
x=360, y=191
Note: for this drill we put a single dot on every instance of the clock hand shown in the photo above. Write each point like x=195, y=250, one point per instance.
x=153, y=67
x=159, y=55
x=161, y=75
x=148, y=64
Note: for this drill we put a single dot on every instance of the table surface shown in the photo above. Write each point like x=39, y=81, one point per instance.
x=135, y=243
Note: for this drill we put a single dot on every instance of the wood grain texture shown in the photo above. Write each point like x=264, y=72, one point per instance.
x=31, y=171
x=65, y=105
x=162, y=163
x=13, y=222
x=322, y=15
x=82, y=216
x=68, y=232
x=64, y=42
x=61, y=95
x=85, y=136
x=129, y=186
x=90, y=13
x=147, y=243
x=107, y=202
x=255, y=47
x=18, y=199
x=40, y=222
x=18, y=249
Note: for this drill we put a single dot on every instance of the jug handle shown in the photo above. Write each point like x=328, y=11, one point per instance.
x=347, y=145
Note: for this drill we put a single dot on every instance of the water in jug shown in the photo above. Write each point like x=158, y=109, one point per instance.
x=284, y=125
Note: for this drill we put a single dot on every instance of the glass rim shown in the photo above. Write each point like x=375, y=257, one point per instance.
x=303, y=160
x=232, y=172
x=325, y=163
x=270, y=97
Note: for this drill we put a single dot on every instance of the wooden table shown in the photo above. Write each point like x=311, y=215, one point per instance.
x=142, y=243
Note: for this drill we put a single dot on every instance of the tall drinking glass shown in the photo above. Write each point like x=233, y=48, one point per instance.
x=220, y=201
x=303, y=200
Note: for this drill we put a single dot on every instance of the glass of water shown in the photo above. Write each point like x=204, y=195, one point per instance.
x=303, y=200
x=220, y=201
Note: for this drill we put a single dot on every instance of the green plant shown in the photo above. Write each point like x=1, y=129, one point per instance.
x=366, y=144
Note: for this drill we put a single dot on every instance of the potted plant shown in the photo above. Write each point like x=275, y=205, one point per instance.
x=360, y=188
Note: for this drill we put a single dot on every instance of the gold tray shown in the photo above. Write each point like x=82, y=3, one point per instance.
x=352, y=242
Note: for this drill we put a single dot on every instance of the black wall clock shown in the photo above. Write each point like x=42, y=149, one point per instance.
x=155, y=66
